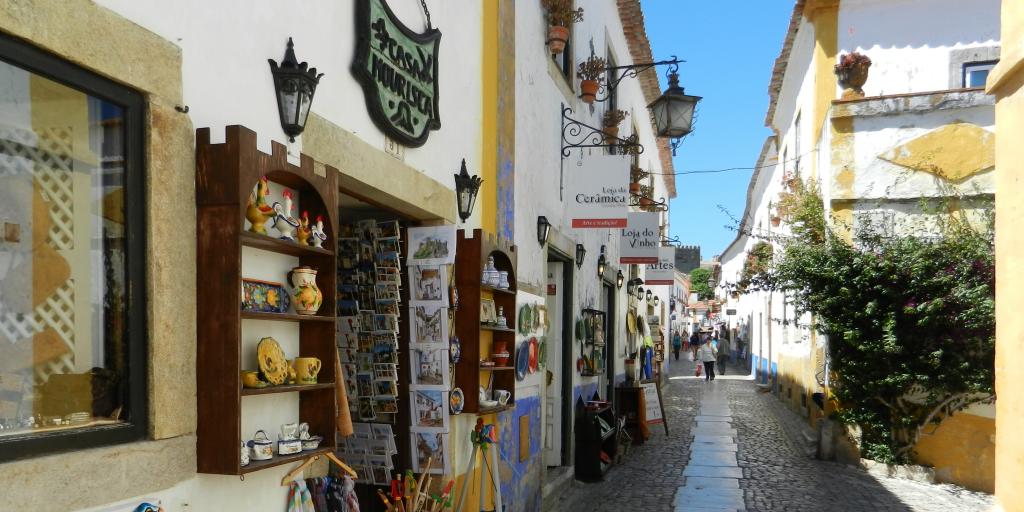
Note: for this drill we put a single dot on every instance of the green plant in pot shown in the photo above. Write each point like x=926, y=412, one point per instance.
x=610, y=124
x=636, y=174
x=590, y=72
x=852, y=72
x=561, y=16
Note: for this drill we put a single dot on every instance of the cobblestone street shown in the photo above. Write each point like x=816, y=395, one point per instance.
x=742, y=460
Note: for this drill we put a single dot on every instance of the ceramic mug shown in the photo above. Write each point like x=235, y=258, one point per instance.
x=502, y=396
x=306, y=369
x=251, y=379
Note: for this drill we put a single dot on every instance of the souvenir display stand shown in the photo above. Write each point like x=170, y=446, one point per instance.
x=627, y=404
x=226, y=175
x=479, y=338
x=596, y=440
x=590, y=332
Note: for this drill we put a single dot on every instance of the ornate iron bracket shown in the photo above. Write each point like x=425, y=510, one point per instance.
x=630, y=71
x=660, y=205
x=671, y=241
x=577, y=134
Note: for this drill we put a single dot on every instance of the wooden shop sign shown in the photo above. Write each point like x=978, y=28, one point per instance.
x=397, y=69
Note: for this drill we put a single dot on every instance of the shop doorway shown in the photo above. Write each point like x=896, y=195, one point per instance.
x=608, y=305
x=558, y=391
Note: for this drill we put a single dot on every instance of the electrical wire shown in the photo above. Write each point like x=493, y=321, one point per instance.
x=730, y=169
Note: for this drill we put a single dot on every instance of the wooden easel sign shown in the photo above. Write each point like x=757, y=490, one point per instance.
x=654, y=409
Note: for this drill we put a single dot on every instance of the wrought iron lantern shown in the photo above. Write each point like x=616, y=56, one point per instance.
x=673, y=111
x=619, y=279
x=295, y=86
x=466, y=188
x=639, y=293
x=656, y=301
x=581, y=252
x=543, y=230
x=648, y=295
x=602, y=263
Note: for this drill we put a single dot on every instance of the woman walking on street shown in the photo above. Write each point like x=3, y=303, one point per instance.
x=694, y=344
x=677, y=344
x=707, y=354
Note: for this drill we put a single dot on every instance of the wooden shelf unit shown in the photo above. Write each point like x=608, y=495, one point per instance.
x=289, y=388
x=477, y=339
x=590, y=442
x=225, y=176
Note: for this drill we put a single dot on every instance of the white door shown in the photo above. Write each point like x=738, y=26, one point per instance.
x=553, y=403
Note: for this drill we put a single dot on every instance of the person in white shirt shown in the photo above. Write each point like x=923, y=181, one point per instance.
x=708, y=354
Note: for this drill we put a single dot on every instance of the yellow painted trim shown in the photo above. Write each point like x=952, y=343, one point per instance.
x=825, y=17
x=489, y=129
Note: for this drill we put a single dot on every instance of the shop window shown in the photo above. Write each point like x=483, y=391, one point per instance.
x=564, y=59
x=976, y=73
x=72, y=295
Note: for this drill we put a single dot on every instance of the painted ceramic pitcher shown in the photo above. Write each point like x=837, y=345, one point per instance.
x=307, y=297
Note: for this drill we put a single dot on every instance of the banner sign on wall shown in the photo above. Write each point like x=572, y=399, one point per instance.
x=640, y=239
x=398, y=71
x=662, y=272
x=598, y=195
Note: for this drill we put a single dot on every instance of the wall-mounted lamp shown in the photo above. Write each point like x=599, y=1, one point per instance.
x=639, y=293
x=466, y=188
x=294, y=85
x=656, y=301
x=673, y=111
x=581, y=252
x=619, y=279
x=648, y=295
x=543, y=230
x=602, y=263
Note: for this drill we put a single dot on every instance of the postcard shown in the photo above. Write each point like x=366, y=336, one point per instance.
x=429, y=409
x=429, y=284
x=429, y=325
x=430, y=445
x=429, y=369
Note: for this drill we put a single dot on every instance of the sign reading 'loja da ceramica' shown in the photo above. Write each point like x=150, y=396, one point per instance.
x=398, y=71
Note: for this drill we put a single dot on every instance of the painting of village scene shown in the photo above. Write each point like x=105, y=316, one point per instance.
x=430, y=368
x=427, y=445
x=428, y=284
x=430, y=408
x=432, y=245
x=429, y=325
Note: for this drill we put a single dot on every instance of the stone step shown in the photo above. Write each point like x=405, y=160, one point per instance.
x=712, y=458
x=713, y=472
x=701, y=482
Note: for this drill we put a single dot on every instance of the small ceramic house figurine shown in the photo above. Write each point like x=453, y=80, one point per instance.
x=284, y=222
x=302, y=233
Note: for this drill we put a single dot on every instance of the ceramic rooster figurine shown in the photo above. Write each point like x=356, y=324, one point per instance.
x=303, y=229
x=319, y=237
x=257, y=211
x=284, y=222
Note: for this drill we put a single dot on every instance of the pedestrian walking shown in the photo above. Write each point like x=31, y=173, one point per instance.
x=694, y=345
x=677, y=344
x=707, y=355
x=724, y=353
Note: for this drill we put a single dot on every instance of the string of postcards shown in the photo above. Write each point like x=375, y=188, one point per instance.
x=431, y=252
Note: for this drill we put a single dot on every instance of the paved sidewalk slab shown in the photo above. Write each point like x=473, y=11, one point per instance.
x=712, y=458
x=713, y=419
x=712, y=439
x=699, y=482
x=712, y=471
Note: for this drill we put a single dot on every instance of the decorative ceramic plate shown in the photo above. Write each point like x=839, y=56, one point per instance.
x=273, y=364
x=534, y=353
x=525, y=319
x=523, y=360
x=455, y=349
x=543, y=357
x=456, y=401
x=580, y=329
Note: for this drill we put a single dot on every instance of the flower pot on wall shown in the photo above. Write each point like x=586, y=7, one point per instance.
x=557, y=37
x=588, y=90
x=646, y=202
x=634, y=188
x=852, y=80
x=776, y=221
x=611, y=134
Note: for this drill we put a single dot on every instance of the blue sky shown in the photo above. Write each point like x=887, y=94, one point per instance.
x=730, y=48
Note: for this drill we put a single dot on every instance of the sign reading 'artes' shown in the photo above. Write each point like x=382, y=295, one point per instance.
x=398, y=71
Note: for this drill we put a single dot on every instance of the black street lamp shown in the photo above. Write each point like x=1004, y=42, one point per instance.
x=543, y=230
x=619, y=279
x=639, y=293
x=602, y=262
x=656, y=301
x=673, y=111
x=581, y=252
x=294, y=86
x=466, y=188
x=648, y=295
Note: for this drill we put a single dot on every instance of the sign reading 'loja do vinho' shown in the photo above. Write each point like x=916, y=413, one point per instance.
x=640, y=239
x=598, y=196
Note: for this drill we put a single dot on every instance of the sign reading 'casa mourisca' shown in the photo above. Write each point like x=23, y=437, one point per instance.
x=398, y=71
x=598, y=194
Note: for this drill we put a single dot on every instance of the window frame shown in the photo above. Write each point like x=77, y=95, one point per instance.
x=22, y=446
x=981, y=65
